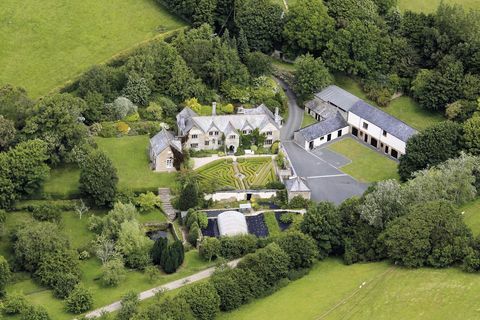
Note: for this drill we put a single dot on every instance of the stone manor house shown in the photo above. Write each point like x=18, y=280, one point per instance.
x=340, y=112
x=212, y=132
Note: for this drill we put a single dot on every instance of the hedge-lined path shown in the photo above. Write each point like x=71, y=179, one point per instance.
x=200, y=162
x=166, y=287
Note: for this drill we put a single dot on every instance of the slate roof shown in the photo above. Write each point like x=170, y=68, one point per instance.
x=254, y=118
x=383, y=120
x=324, y=127
x=296, y=185
x=338, y=97
x=162, y=140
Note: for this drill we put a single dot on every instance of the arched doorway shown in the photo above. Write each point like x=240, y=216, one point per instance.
x=231, y=149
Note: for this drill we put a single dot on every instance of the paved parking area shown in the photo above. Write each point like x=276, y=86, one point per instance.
x=320, y=168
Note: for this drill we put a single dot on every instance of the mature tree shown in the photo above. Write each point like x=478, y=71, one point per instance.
x=169, y=107
x=384, y=6
x=134, y=245
x=60, y=271
x=121, y=107
x=461, y=110
x=95, y=108
x=430, y=234
x=359, y=238
x=384, y=203
x=270, y=264
x=258, y=64
x=322, y=223
x=311, y=76
x=110, y=225
x=173, y=257
x=301, y=248
x=184, y=84
x=15, y=104
x=101, y=79
x=129, y=306
x=34, y=240
x=98, y=179
x=471, y=262
x=203, y=300
x=137, y=89
x=113, y=272
x=8, y=133
x=471, y=136
x=57, y=120
x=345, y=11
x=24, y=166
x=204, y=12
x=80, y=300
x=4, y=275
x=242, y=45
x=235, y=287
x=432, y=146
x=210, y=248
x=188, y=197
x=261, y=20
x=308, y=27
x=360, y=49
x=158, y=250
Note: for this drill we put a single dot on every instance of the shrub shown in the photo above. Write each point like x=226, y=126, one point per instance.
x=152, y=273
x=154, y=111
x=47, y=213
x=299, y=202
x=14, y=304
x=287, y=217
x=80, y=300
x=113, y=272
x=148, y=202
x=35, y=313
x=173, y=258
x=193, y=234
x=129, y=306
x=275, y=147
x=134, y=117
x=203, y=300
x=228, y=108
x=237, y=246
x=158, y=250
x=193, y=104
x=4, y=275
x=210, y=248
x=122, y=127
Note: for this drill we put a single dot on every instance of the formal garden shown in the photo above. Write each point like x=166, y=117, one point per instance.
x=252, y=172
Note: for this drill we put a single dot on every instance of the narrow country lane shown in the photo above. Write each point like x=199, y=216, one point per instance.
x=295, y=113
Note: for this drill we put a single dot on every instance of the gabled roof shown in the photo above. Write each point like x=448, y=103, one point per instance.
x=162, y=140
x=296, y=185
x=383, y=120
x=324, y=127
x=338, y=97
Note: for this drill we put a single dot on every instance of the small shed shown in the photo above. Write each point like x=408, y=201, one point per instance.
x=231, y=223
x=297, y=187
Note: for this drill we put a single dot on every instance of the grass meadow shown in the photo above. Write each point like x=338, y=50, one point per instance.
x=334, y=291
x=47, y=43
x=428, y=6
x=367, y=165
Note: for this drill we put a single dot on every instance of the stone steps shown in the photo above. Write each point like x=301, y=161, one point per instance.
x=164, y=194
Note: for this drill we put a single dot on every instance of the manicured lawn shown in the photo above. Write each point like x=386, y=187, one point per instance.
x=403, y=108
x=431, y=5
x=471, y=213
x=272, y=224
x=63, y=182
x=47, y=43
x=308, y=120
x=367, y=165
x=370, y=291
x=130, y=157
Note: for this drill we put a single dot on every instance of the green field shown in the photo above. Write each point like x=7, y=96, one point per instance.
x=334, y=291
x=47, y=43
x=367, y=165
x=431, y=5
x=403, y=108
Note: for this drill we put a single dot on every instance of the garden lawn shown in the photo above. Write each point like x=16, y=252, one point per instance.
x=272, y=224
x=367, y=165
x=428, y=6
x=471, y=214
x=308, y=120
x=63, y=182
x=130, y=156
x=47, y=43
x=403, y=108
x=333, y=291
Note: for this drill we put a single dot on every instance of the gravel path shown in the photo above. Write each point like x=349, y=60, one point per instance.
x=166, y=287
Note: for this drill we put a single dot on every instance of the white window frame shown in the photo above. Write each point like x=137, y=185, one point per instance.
x=194, y=136
x=169, y=163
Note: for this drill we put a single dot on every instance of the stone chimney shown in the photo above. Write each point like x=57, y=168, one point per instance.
x=214, y=108
x=278, y=119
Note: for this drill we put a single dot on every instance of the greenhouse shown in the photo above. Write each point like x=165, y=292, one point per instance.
x=232, y=223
